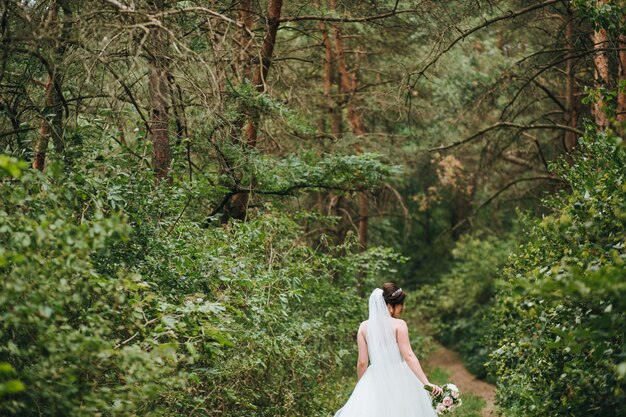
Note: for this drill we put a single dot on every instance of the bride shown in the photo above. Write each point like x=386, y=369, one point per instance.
x=393, y=384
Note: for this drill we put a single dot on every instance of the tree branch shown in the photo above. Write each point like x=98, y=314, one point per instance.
x=549, y=94
x=15, y=132
x=282, y=192
x=510, y=15
x=547, y=67
x=512, y=183
x=500, y=191
x=345, y=19
x=506, y=124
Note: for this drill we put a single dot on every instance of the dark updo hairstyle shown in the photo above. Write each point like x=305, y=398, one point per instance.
x=392, y=294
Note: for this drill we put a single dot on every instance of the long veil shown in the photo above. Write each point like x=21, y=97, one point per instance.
x=383, y=352
x=388, y=387
x=380, y=335
x=381, y=338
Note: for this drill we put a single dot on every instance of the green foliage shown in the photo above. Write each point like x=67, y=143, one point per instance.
x=248, y=170
x=458, y=302
x=11, y=167
x=606, y=14
x=119, y=303
x=247, y=100
x=8, y=385
x=339, y=172
x=560, y=313
x=120, y=297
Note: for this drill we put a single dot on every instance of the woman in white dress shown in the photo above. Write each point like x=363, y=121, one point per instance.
x=393, y=383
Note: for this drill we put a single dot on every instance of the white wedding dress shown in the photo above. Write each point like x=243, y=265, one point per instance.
x=388, y=388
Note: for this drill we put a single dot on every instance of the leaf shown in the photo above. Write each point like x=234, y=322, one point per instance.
x=11, y=387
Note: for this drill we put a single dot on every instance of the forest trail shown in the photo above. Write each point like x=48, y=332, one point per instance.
x=449, y=361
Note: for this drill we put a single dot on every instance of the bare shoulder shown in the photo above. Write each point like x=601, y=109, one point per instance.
x=363, y=326
x=400, y=325
x=362, y=329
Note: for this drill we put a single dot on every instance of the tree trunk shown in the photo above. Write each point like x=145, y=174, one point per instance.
x=263, y=67
x=363, y=219
x=159, y=118
x=178, y=109
x=238, y=205
x=461, y=211
x=571, y=88
x=620, y=117
x=600, y=39
x=327, y=82
x=345, y=83
x=267, y=49
x=244, y=40
x=51, y=126
x=158, y=91
x=348, y=87
x=180, y=118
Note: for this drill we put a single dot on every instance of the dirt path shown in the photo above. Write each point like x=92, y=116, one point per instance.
x=450, y=362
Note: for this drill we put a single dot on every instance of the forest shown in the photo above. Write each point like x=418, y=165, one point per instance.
x=198, y=196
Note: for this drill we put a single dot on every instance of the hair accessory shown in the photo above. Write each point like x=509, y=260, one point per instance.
x=396, y=292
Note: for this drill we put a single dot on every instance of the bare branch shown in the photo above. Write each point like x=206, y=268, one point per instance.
x=464, y=34
x=405, y=210
x=506, y=124
x=17, y=131
x=346, y=19
x=549, y=94
x=512, y=183
x=500, y=191
x=207, y=11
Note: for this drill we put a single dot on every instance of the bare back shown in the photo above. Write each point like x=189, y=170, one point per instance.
x=401, y=333
x=397, y=324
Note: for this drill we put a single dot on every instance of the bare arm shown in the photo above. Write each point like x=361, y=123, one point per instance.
x=409, y=356
x=362, y=361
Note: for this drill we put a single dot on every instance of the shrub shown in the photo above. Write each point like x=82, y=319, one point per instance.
x=560, y=313
x=457, y=303
x=115, y=302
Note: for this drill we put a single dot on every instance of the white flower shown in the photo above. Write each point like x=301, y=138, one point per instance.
x=452, y=387
x=455, y=394
x=440, y=408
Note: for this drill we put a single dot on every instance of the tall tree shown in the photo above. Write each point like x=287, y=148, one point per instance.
x=332, y=107
x=51, y=125
x=572, y=99
x=601, y=77
x=621, y=96
x=262, y=67
x=237, y=207
x=244, y=39
x=159, y=93
x=349, y=84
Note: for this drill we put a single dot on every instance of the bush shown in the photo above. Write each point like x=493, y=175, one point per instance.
x=115, y=302
x=560, y=313
x=458, y=302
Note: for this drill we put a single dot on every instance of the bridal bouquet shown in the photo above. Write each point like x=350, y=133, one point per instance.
x=447, y=401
